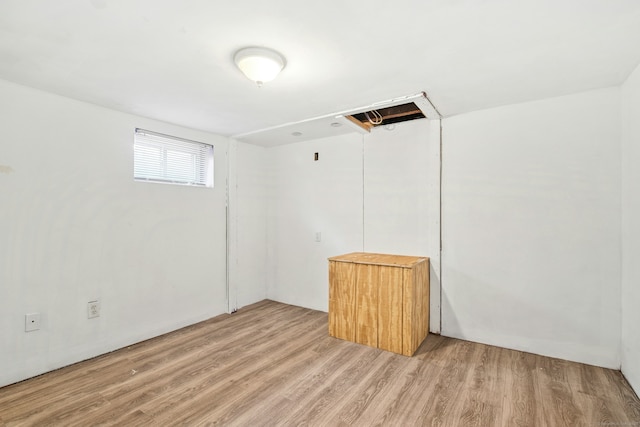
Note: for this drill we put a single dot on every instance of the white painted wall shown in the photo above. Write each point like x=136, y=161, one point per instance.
x=248, y=224
x=402, y=197
x=308, y=197
x=631, y=229
x=377, y=193
x=74, y=226
x=531, y=227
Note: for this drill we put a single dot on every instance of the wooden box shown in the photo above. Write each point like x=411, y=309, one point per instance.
x=379, y=300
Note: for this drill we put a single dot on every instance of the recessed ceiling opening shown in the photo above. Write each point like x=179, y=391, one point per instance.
x=387, y=115
x=383, y=113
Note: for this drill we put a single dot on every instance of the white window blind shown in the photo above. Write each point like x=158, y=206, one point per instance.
x=164, y=158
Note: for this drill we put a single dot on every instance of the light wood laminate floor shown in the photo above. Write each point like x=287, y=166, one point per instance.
x=274, y=364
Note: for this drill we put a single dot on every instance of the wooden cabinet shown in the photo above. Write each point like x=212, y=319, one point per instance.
x=379, y=300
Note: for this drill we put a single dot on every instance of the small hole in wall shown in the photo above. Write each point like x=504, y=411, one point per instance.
x=315, y=157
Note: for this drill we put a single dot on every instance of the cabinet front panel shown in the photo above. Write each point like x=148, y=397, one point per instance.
x=379, y=305
x=390, y=295
x=367, y=278
x=342, y=309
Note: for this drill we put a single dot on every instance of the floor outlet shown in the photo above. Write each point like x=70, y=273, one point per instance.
x=31, y=322
x=93, y=309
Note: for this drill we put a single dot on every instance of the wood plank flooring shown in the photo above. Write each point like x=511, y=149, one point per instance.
x=272, y=364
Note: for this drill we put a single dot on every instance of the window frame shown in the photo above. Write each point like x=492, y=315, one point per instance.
x=160, y=168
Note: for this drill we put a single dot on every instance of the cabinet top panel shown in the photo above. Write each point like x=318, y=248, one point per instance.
x=380, y=259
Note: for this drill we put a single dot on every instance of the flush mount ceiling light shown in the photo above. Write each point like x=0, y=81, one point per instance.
x=259, y=64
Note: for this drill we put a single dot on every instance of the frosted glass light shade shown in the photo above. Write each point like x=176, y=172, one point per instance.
x=259, y=64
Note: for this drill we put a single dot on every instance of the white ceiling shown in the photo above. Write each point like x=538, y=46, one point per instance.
x=172, y=59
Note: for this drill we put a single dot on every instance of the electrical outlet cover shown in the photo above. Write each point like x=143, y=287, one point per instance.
x=93, y=309
x=31, y=322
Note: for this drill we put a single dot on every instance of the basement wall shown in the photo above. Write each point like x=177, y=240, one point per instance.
x=248, y=195
x=309, y=197
x=531, y=228
x=375, y=193
x=631, y=229
x=402, y=197
x=531, y=220
x=74, y=226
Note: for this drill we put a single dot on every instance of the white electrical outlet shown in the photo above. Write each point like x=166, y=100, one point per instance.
x=93, y=309
x=31, y=322
x=318, y=236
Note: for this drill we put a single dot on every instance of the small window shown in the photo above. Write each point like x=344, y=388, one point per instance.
x=167, y=159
